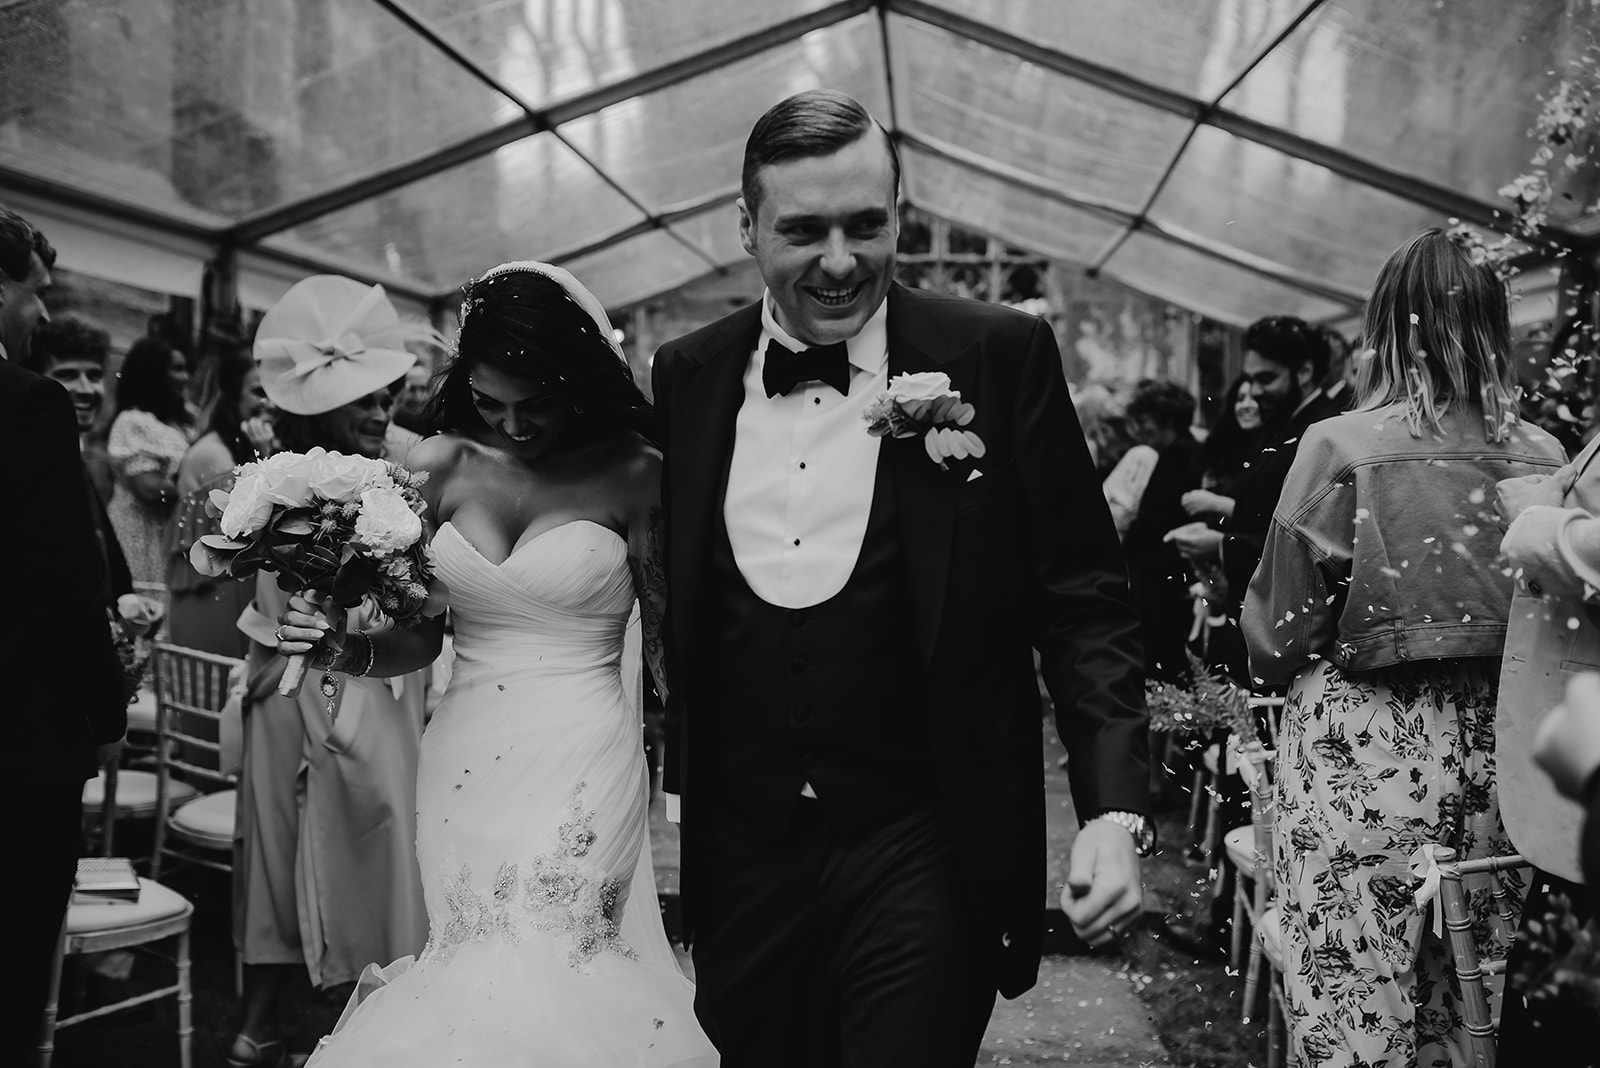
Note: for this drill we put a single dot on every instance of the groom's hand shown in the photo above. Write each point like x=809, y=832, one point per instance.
x=1103, y=896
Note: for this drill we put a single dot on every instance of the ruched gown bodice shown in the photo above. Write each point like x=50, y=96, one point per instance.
x=545, y=941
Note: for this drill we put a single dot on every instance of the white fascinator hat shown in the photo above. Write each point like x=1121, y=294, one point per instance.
x=331, y=340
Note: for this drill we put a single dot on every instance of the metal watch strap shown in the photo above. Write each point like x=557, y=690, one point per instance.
x=1138, y=826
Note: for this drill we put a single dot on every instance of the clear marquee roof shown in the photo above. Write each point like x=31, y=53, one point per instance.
x=1227, y=155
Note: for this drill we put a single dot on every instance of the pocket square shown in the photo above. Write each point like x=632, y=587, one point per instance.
x=974, y=475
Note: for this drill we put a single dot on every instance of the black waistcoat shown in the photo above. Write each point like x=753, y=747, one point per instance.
x=833, y=694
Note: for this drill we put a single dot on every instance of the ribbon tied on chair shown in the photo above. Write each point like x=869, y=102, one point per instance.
x=1425, y=866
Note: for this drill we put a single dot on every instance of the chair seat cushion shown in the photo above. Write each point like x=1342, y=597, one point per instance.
x=1271, y=931
x=136, y=793
x=1240, y=845
x=207, y=820
x=156, y=902
x=142, y=712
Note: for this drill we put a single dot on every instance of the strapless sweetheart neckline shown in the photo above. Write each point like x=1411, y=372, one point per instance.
x=530, y=542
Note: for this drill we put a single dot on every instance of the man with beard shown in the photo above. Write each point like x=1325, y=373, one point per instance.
x=1285, y=359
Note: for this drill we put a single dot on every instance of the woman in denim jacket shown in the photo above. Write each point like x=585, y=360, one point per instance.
x=1380, y=602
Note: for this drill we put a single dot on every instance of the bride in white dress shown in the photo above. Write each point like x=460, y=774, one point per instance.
x=545, y=941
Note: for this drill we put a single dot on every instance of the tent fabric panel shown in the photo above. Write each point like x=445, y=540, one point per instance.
x=1210, y=286
x=995, y=207
x=1286, y=211
x=716, y=233
x=548, y=50
x=226, y=107
x=532, y=199
x=1092, y=143
x=638, y=268
x=1193, y=47
x=676, y=144
x=1441, y=91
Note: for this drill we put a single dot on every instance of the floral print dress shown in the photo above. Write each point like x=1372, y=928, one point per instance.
x=1370, y=767
x=141, y=443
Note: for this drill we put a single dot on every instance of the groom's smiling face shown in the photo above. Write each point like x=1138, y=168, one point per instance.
x=823, y=235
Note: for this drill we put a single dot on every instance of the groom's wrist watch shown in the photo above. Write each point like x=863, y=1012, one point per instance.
x=1143, y=831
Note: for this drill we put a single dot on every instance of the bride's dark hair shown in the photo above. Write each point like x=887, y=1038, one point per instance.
x=526, y=325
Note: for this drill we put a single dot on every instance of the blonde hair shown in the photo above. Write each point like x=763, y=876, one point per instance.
x=1438, y=332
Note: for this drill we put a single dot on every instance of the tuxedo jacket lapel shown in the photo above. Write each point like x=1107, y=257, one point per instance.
x=925, y=494
x=707, y=400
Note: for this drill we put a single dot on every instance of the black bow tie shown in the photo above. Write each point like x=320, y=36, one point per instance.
x=828, y=364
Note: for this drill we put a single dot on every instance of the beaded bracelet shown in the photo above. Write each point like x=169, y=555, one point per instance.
x=365, y=661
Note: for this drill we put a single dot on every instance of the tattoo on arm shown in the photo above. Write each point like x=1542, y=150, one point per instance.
x=648, y=562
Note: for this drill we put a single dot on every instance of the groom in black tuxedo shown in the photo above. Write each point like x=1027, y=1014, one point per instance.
x=853, y=723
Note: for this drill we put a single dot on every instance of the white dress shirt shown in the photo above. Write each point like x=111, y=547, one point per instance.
x=803, y=469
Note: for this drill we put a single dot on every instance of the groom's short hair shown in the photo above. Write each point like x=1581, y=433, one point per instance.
x=817, y=122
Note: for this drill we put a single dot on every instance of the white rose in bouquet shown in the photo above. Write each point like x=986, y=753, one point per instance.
x=286, y=477
x=386, y=523
x=247, y=507
x=337, y=477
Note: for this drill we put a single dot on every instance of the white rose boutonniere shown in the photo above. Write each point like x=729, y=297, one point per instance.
x=923, y=405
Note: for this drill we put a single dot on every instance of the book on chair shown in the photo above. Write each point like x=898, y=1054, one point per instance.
x=105, y=881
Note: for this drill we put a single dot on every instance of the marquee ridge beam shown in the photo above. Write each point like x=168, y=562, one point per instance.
x=1232, y=257
x=286, y=216
x=1447, y=202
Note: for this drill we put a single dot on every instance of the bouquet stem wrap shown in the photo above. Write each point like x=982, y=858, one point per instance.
x=294, y=675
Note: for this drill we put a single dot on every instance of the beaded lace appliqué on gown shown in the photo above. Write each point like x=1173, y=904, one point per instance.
x=550, y=893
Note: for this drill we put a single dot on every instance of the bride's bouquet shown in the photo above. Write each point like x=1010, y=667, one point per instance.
x=346, y=525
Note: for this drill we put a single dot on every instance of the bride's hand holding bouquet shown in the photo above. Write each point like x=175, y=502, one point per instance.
x=348, y=527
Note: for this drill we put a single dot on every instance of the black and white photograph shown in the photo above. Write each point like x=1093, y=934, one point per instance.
x=801, y=533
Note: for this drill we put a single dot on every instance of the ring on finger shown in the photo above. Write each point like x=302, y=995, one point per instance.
x=278, y=634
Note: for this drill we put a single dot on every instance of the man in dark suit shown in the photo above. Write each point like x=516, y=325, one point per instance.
x=854, y=721
x=1286, y=360
x=63, y=698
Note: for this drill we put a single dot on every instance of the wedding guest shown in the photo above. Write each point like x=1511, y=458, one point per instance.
x=1229, y=449
x=26, y=260
x=1159, y=415
x=1379, y=603
x=1339, y=382
x=1100, y=414
x=73, y=352
x=1567, y=748
x=148, y=439
x=65, y=713
x=1124, y=487
x=1284, y=359
x=1549, y=1013
x=236, y=429
x=410, y=408
x=325, y=871
x=1552, y=543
